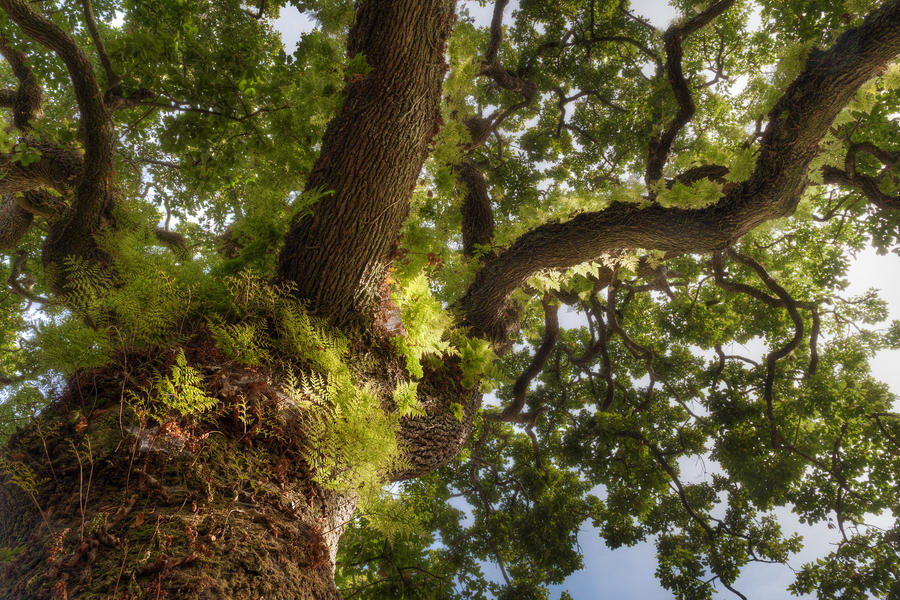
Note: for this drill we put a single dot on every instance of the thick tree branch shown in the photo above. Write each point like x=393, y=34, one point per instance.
x=99, y=135
x=674, y=37
x=797, y=123
x=28, y=98
x=490, y=56
x=513, y=412
x=372, y=153
x=15, y=222
x=477, y=214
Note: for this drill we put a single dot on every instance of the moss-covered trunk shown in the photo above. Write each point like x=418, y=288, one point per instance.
x=102, y=504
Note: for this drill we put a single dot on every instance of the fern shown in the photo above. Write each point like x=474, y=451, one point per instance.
x=179, y=393
x=426, y=323
x=406, y=400
x=241, y=341
x=352, y=441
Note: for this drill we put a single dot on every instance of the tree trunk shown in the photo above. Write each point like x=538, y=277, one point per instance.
x=99, y=503
x=371, y=156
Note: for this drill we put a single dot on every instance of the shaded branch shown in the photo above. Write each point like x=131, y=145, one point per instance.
x=490, y=56
x=26, y=101
x=15, y=222
x=23, y=285
x=477, y=214
x=674, y=37
x=864, y=184
x=773, y=357
x=491, y=66
x=56, y=168
x=112, y=80
x=513, y=412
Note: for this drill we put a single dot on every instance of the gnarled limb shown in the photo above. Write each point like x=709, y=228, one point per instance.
x=797, y=123
x=477, y=214
x=56, y=168
x=661, y=145
x=22, y=285
x=513, y=412
x=864, y=184
x=491, y=66
x=73, y=233
x=28, y=98
x=15, y=222
x=112, y=80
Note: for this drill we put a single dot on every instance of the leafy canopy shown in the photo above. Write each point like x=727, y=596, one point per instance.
x=641, y=380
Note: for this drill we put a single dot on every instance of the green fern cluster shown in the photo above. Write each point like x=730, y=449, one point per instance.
x=266, y=324
x=178, y=393
x=146, y=298
x=426, y=323
x=19, y=474
x=428, y=332
x=352, y=440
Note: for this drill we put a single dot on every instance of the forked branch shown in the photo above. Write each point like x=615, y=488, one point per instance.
x=796, y=124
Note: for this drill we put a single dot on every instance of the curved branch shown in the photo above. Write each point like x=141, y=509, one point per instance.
x=490, y=56
x=28, y=98
x=99, y=135
x=864, y=184
x=776, y=355
x=491, y=66
x=56, y=168
x=660, y=146
x=513, y=412
x=22, y=286
x=112, y=80
x=477, y=214
x=796, y=124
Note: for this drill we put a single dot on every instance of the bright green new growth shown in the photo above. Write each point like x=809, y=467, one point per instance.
x=352, y=442
x=426, y=322
x=178, y=394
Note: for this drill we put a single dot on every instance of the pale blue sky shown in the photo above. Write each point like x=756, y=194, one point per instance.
x=628, y=573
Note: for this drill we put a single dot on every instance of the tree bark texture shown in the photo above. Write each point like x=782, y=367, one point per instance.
x=118, y=508
x=371, y=156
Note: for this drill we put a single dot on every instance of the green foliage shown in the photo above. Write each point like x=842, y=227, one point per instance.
x=351, y=444
x=426, y=323
x=19, y=474
x=661, y=371
x=180, y=393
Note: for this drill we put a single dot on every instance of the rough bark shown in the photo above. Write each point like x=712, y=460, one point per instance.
x=477, y=214
x=56, y=168
x=125, y=508
x=796, y=124
x=73, y=234
x=371, y=156
x=433, y=441
x=14, y=223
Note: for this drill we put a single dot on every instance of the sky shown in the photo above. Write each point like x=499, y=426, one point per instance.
x=628, y=573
